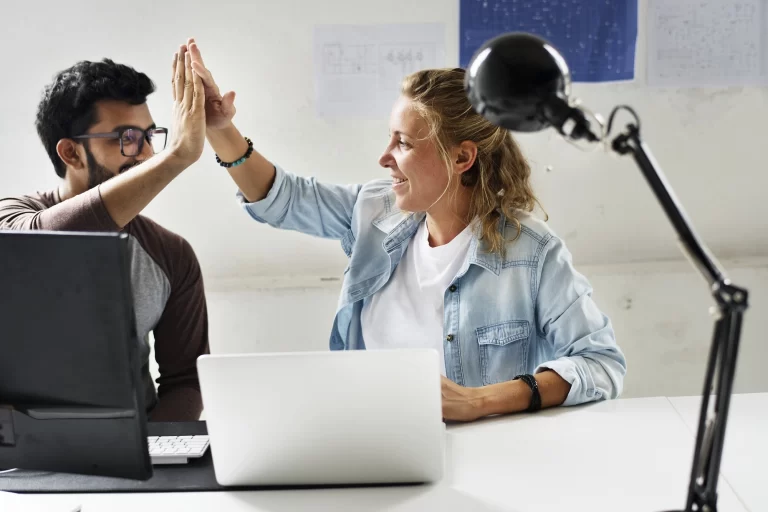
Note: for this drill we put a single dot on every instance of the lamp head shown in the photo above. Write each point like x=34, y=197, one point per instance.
x=521, y=82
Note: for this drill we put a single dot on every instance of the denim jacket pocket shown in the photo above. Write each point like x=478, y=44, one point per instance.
x=503, y=350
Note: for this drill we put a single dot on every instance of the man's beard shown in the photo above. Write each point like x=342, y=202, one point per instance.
x=98, y=174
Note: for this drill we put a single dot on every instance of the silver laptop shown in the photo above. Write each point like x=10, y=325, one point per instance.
x=324, y=418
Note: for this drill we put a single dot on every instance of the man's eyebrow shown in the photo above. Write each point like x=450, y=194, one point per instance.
x=130, y=126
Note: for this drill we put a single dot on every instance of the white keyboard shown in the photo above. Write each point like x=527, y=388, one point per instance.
x=176, y=449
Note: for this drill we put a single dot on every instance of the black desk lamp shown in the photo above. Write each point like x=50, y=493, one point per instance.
x=522, y=83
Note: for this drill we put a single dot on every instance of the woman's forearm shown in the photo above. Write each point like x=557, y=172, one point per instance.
x=515, y=395
x=255, y=176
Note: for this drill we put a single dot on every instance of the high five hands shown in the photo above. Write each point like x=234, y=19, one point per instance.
x=219, y=110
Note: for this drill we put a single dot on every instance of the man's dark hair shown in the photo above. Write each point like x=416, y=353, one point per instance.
x=68, y=105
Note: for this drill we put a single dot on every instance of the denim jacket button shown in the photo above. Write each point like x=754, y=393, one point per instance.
x=452, y=288
x=449, y=337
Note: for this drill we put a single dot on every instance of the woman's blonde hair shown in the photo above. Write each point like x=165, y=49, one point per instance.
x=500, y=175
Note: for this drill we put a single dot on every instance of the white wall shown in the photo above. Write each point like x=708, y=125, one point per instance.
x=600, y=204
x=659, y=311
x=707, y=140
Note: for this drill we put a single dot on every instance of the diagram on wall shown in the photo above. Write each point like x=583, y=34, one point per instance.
x=707, y=43
x=405, y=59
x=353, y=59
x=358, y=69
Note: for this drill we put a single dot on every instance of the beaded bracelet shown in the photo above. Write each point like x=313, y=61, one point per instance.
x=239, y=160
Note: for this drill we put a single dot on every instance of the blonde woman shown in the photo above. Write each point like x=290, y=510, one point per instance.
x=443, y=253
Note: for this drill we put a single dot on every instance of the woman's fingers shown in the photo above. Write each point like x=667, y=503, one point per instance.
x=205, y=75
x=228, y=103
x=199, y=66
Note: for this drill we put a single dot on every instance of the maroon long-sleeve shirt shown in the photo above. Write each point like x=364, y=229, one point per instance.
x=167, y=286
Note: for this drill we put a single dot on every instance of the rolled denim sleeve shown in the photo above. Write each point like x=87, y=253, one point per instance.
x=305, y=205
x=585, y=351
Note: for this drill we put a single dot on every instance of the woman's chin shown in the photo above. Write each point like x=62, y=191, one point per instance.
x=401, y=201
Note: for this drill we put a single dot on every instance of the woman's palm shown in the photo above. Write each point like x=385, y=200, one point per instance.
x=219, y=110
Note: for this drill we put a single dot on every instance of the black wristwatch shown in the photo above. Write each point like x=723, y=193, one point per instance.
x=535, y=404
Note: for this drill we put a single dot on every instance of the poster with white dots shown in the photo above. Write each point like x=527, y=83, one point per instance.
x=596, y=37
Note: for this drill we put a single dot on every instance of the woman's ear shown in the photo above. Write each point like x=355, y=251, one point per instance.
x=70, y=154
x=465, y=155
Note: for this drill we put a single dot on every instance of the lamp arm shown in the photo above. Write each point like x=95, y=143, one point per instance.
x=730, y=305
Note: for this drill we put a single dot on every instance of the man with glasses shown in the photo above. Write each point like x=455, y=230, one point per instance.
x=112, y=159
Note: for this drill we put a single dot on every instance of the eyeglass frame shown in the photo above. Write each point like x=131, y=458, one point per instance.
x=119, y=135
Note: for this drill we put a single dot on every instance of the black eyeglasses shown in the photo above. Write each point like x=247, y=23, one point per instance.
x=132, y=139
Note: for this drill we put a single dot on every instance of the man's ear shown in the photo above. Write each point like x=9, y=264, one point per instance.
x=71, y=154
x=465, y=155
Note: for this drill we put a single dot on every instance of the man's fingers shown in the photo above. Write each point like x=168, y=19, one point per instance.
x=179, y=75
x=188, y=85
x=173, y=75
x=198, y=93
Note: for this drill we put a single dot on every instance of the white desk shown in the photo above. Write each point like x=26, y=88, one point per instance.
x=745, y=451
x=622, y=455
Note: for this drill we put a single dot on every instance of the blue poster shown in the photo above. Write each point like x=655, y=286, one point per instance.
x=596, y=37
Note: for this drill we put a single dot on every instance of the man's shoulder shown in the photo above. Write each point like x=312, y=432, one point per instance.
x=35, y=201
x=169, y=250
x=20, y=212
x=153, y=233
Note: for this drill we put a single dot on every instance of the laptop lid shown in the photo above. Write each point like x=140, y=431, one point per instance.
x=317, y=418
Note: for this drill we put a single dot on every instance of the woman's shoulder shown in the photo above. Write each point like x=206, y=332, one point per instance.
x=528, y=237
x=529, y=225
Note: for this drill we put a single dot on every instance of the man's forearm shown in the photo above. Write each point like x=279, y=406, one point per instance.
x=126, y=195
x=178, y=404
x=515, y=395
x=255, y=176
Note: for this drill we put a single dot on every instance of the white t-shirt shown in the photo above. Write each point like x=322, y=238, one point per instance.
x=408, y=311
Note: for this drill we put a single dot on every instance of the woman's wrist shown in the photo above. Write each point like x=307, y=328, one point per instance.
x=228, y=143
x=504, y=398
x=217, y=131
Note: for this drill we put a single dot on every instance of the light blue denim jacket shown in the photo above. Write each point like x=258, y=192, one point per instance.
x=523, y=313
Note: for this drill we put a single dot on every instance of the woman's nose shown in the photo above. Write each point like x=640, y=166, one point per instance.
x=385, y=160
